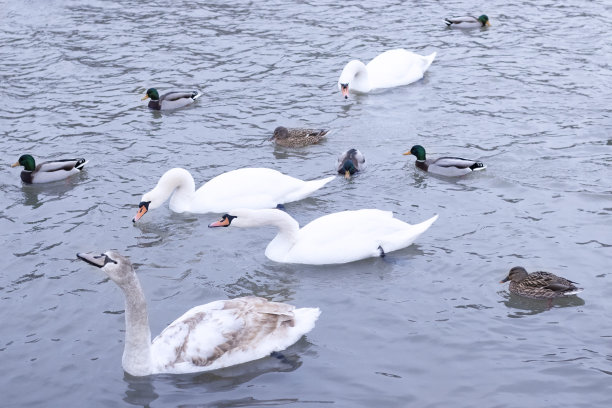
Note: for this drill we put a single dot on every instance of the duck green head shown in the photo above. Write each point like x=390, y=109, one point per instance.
x=27, y=162
x=151, y=93
x=418, y=151
x=484, y=20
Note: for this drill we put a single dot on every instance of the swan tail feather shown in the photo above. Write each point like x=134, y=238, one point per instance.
x=308, y=188
x=402, y=239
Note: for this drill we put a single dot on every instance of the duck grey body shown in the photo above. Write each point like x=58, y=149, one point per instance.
x=539, y=285
x=170, y=100
x=297, y=137
x=444, y=166
x=48, y=171
x=468, y=22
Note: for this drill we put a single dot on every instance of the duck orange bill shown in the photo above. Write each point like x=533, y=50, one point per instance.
x=406, y=154
x=145, y=97
x=504, y=280
x=223, y=222
x=143, y=207
x=15, y=164
x=347, y=174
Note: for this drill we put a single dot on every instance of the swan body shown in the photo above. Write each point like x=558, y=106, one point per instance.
x=350, y=162
x=170, y=100
x=539, y=285
x=48, y=171
x=297, y=137
x=444, y=166
x=247, y=187
x=468, y=22
x=390, y=69
x=207, y=337
x=335, y=238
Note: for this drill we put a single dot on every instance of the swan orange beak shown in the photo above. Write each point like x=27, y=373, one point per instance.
x=145, y=97
x=224, y=222
x=15, y=164
x=345, y=90
x=142, y=210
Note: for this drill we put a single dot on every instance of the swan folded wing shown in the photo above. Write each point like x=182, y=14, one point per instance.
x=57, y=165
x=396, y=67
x=220, y=334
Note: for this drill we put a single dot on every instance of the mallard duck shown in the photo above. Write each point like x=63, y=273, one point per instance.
x=468, y=22
x=297, y=137
x=390, y=69
x=350, y=162
x=248, y=187
x=48, y=171
x=170, y=100
x=539, y=285
x=335, y=238
x=207, y=337
x=445, y=166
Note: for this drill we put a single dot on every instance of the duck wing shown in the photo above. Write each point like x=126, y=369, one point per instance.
x=58, y=165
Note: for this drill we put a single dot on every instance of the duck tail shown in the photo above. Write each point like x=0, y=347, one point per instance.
x=448, y=22
x=195, y=95
x=80, y=163
x=478, y=166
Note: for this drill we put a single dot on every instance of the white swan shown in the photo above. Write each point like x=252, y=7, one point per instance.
x=334, y=238
x=208, y=337
x=248, y=187
x=389, y=69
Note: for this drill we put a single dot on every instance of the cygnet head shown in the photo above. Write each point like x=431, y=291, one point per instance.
x=516, y=274
x=116, y=266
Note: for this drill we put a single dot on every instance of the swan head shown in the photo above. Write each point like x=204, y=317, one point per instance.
x=516, y=274
x=225, y=221
x=344, y=88
x=143, y=207
x=484, y=20
x=245, y=218
x=418, y=151
x=116, y=266
x=151, y=93
x=26, y=161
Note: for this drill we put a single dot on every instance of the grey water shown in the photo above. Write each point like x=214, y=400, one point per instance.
x=427, y=326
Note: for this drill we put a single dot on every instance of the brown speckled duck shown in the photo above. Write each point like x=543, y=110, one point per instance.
x=297, y=137
x=539, y=285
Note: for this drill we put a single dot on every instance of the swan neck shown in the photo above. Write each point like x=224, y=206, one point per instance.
x=137, y=350
x=355, y=73
x=177, y=183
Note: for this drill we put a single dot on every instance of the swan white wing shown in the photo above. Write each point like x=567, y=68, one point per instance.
x=351, y=235
x=252, y=188
x=397, y=67
x=229, y=332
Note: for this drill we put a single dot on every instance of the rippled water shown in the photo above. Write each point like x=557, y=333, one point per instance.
x=427, y=326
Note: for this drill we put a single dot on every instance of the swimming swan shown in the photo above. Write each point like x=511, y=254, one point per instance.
x=207, y=337
x=248, y=187
x=334, y=238
x=389, y=69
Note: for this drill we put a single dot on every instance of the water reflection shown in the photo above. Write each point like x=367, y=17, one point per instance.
x=528, y=307
x=141, y=390
x=48, y=191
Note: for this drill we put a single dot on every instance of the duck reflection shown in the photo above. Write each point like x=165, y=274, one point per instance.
x=528, y=307
x=36, y=195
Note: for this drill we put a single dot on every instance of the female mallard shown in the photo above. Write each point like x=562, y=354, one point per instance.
x=297, y=137
x=468, y=22
x=350, y=162
x=539, y=285
x=444, y=166
x=48, y=171
x=207, y=337
x=170, y=100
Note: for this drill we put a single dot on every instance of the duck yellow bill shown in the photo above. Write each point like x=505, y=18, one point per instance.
x=141, y=211
x=347, y=174
x=15, y=164
x=145, y=97
x=488, y=24
x=406, y=154
x=224, y=222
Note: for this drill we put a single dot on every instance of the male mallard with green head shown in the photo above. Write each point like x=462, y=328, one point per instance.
x=47, y=171
x=444, y=166
x=468, y=22
x=170, y=100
